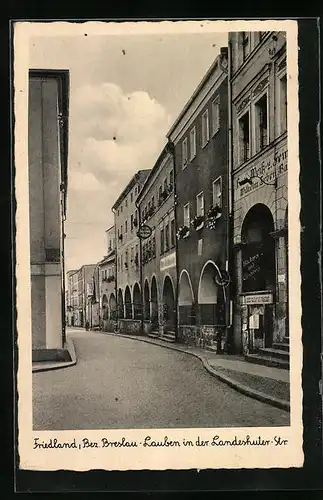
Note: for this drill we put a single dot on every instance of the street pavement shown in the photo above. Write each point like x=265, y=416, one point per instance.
x=124, y=383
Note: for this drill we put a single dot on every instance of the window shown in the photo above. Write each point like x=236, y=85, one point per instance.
x=121, y=208
x=283, y=104
x=215, y=115
x=217, y=192
x=126, y=226
x=153, y=202
x=121, y=261
x=131, y=222
x=102, y=275
x=187, y=215
x=167, y=237
x=200, y=204
x=121, y=230
x=118, y=211
x=205, y=127
x=261, y=123
x=131, y=196
x=184, y=153
x=165, y=185
x=245, y=44
x=244, y=138
x=160, y=194
x=131, y=254
x=126, y=203
x=192, y=143
x=172, y=233
x=171, y=179
x=162, y=240
x=126, y=259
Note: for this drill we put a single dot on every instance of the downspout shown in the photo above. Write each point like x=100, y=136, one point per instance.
x=229, y=319
x=140, y=270
x=172, y=151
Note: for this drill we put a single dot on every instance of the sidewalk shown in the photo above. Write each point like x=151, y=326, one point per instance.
x=269, y=385
x=43, y=366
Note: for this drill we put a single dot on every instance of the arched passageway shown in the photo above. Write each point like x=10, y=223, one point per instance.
x=146, y=301
x=112, y=306
x=127, y=302
x=168, y=306
x=120, y=304
x=105, y=307
x=154, y=303
x=259, y=271
x=137, y=308
x=211, y=297
x=186, y=306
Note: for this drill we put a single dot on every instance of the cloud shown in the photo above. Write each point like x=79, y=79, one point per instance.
x=113, y=134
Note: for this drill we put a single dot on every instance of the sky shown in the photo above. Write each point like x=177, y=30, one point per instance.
x=125, y=93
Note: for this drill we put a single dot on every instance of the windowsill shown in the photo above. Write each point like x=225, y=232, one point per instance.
x=184, y=165
x=205, y=144
x=192, y=158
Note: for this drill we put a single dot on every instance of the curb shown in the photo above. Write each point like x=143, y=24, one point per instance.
x=69, y=346
x=243, y=389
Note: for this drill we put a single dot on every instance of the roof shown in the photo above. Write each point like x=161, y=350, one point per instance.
x=139, y=176
x=214, y=65
x=63, y=78
x=107, y=258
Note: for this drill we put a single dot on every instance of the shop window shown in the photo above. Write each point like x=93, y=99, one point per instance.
x=261, y=117
x=217, y=192
x=205, y=128
x=200, y=204
x=184, y=153
x=187, y=215
x=192, y=143
x=283, y=104
x=244, y=138
x=215, y=115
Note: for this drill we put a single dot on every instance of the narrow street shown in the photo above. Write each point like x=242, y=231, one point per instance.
x=123, y=383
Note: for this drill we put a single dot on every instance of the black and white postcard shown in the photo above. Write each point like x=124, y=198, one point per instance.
x=158, y=245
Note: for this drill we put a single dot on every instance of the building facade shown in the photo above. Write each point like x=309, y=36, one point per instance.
x=128, y=292
x=158, y=253
x=259, y=173
x=107, y=284
x=70, y=297
x=47, y=170
x=200, y=139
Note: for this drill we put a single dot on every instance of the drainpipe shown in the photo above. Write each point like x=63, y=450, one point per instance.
x=229, y=319
x=140, y=270
x=171, y=146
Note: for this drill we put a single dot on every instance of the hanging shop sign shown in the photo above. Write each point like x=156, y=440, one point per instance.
x=144, y=232
x=257, y=298
x=263, y=171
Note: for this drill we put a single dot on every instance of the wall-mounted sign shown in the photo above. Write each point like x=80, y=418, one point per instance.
x=144, y=232
x=168, y=261
x=281, y=278
x=268, y=167
x=257, y=298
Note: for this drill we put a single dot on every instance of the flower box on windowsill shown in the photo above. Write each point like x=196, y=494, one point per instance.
x=214, y=212
x=198, y=222
x=183, y=232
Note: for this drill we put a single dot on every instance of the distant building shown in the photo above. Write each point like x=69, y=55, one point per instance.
x=84, y=280
x=47, y=171
x=129, y=309
x=107, y=284
x=200, y=139
x=259, y=164
x=70, y=297
x=158, y=255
